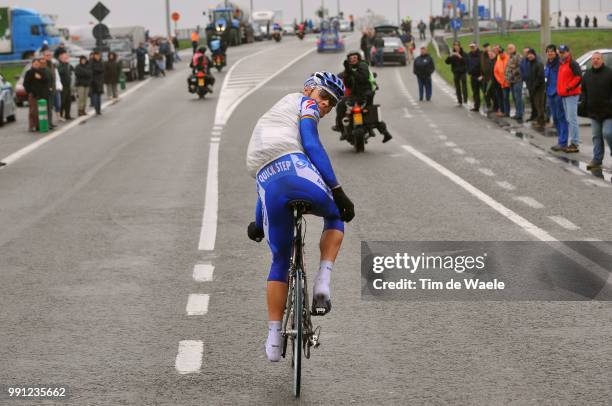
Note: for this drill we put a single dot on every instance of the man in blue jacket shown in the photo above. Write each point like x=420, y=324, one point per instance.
x=551, y=71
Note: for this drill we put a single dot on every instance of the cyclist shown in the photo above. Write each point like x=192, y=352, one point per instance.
x=289, y=163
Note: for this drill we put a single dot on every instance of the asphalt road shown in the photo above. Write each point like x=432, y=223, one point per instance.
x=101, y=229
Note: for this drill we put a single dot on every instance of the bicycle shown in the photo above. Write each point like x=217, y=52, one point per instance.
x=297, y=325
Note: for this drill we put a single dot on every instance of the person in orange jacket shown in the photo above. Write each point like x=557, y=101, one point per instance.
x=569, y=80
x=499, y=71
x=195, y=40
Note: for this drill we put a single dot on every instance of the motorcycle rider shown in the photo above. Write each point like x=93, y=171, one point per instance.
x=361, y=86
x=202, y=63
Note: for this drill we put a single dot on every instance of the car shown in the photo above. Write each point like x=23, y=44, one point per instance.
x=524, y=24
x=387, y=30
x=394, y=51
x=487, y=25
x=288, y=29
x=7, y=101
x=585, y=60
x=330, y=41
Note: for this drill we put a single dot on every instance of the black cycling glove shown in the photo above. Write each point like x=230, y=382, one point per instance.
x=255, y=233
x=345, y=206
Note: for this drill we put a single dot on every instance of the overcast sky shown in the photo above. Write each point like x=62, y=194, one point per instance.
x=151, y=13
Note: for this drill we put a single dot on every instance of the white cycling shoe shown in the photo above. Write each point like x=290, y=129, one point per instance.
x=273, y=343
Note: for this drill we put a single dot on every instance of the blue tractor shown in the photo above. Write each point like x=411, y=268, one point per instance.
x=226, y=23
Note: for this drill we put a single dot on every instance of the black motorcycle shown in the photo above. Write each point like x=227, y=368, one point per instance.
x=300, y=34
x=359, y=123
x=219, y=61
x=198, y=84
x=276, y=35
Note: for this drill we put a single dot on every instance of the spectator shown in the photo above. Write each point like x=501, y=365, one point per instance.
x=141, y=58
x=408, y=41
x=65, y=73
x=475, y=72
x=595, y=22
x=422, y=27
x=152, y=51
x=52, y=72
x=379, y=46
x=97, y=82
x=568, y=87
x=537, y=88
x=165, y=53
x=525, y=66
x=36, y=84
x=176, y=46
x=432, y=27
x=503, y=92
x=597, y=100
x=551, y=72
x=486, y=67
x=586, y=21
x=112, y=72
x=513, y=76
x=423, y=69
x=195, y=41
x=365, y=45
x=83, y=76
x=566, y=22
x=61, y=48
x=457, y=61
x=578, y=21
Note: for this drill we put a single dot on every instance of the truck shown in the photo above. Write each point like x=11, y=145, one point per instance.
x=23, y=31
x=266, y=19
x=229, y=22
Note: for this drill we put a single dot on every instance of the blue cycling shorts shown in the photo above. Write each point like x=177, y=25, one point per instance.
x=291, y=177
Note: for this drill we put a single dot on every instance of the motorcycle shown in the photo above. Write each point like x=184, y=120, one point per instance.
x=276, y=35
x=219, y=61
x=359, y=123
x=198, y=85
x=300, y=34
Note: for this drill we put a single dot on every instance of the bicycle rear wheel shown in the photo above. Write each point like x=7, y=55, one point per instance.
x=298, y=306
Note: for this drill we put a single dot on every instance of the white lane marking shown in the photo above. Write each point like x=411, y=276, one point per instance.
x=189, y=357
x=598, y=183
x=432, y=125
x=565, y=223
x=216, y=133
x=505, y=185
x=37, y=144
x=538, y=151
x=197, y=304
x=203, y=272
x=450, y=144
x=443, y=137
x=480, y=195
x=217, y=128
x=215, y=139
x=459, y=151
x=486, y=171
x=208, y=233
x=552, y=159
x=407, y=113
x=592, y=239
x=529, y=201
x=471, y=160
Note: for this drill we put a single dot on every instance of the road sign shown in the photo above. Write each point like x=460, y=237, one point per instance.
x=99, y=11
x=101, y=32
x=176, y=16
x=455, y=24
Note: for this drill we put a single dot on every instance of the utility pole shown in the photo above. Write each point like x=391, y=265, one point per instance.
x=476, y=27
x=399, y=18
x=301, y=11
x=527, y=8
x=544, y=26
x=338, y=7
x=168, y=29
x=503, y=17
x=251, y=8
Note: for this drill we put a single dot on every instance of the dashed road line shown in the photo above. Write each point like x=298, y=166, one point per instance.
x=189, y=357
x=486, y=171
x=565, y=223
x=529, y=201
x=597, y=183
x=450, y=144
x=197, y=304
x=505, y=185
x=442, y=137
x=215, y=139
x=471, y=160
x=203, y=272
x=459, y=151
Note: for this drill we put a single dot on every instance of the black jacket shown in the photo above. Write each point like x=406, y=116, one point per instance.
x=597, y=92
x=97, y=76
x=112, y=71
x=65, y=73
x=365, y=43
x=357, y=79
x=458, y=65
x=36, y=82
x=535, y=78
x=82, y=74
x=423, y=66
x=473, y=63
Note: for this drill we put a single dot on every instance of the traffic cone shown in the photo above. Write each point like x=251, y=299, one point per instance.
x=43, y=118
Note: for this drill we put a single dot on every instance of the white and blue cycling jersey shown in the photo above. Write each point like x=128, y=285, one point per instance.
x=289, y=163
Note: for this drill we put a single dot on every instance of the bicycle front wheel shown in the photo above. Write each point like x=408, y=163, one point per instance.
x=298, y=315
